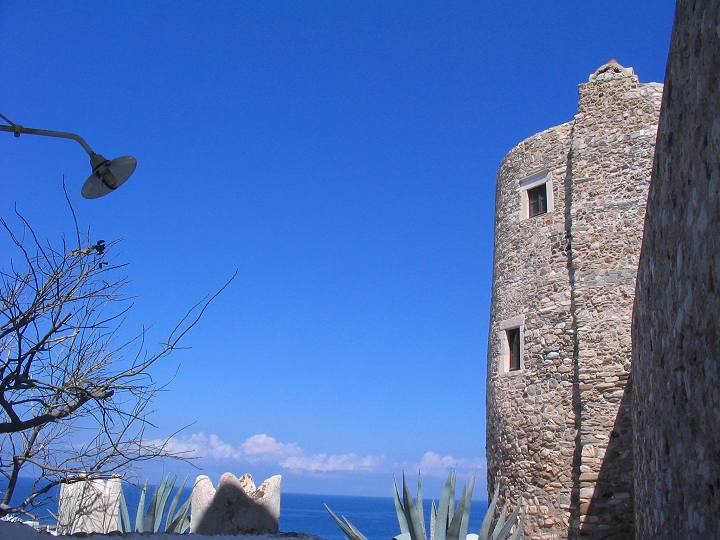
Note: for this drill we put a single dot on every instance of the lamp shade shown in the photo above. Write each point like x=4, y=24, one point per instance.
x=108, y=175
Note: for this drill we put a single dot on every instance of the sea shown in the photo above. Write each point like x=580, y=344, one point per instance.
x=374, y=516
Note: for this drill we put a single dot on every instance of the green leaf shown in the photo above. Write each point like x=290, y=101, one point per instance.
x=451, y=502
x=174, y=503
x=441, y=523
x=399, y=510
x=353, y=528
x=433, y=520
x=411, y=513
x=420, y=509
x=124, y=524
x=350, y=531
x=140, y=510
x=181, y=521
x=519, y=530
x=500, y=522
x=161, y=502
x=453, y=532
x=149, y=521
x=185, y=525
x=507, y=527
x=487, y=521
x=467, y=504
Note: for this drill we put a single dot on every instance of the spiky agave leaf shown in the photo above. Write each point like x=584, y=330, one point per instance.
x=420, y=509
x=185, y=524
x=453, y=532
x=465, y=519
x=149, y=519
x=124, y=524
x=399, y=510
x=173, y=505
x=180, y=522
x=442, y=521
x=140, y=510
x=151, y=514
x=506, y=529
x=353, y=528
x=348, y=528
x=500, y=522
x=519, y=529
x=411, y=514
x=451, y=505
x=505, y=532
x=487, y=521
x=161, y=502
x=433, y=518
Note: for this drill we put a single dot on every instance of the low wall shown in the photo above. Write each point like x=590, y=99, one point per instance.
x=20, y=531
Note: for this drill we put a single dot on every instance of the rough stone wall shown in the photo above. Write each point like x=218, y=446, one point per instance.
x=610, y=163
x=676, y=337
x=530, y=424
x=558, y=432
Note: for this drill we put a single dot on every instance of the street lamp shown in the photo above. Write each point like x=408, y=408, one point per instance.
x=107, y=175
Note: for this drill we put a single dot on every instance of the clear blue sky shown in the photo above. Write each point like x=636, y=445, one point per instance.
x=342, y=157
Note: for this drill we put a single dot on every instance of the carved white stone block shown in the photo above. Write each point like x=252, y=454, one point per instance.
x=89, y=506
x=236, y=506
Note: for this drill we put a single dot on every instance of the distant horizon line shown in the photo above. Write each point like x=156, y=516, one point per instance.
x=388, y=497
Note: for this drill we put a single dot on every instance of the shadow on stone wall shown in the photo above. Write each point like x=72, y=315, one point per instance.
x=234, y=511
x=608, y=510
x=237, y=506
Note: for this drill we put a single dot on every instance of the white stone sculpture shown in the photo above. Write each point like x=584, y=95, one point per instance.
x=236, y=506
x=89, y=506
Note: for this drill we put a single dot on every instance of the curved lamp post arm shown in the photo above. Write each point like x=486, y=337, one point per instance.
x=20, y=130
x=107, y=175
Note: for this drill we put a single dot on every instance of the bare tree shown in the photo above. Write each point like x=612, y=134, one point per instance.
x=73, y=402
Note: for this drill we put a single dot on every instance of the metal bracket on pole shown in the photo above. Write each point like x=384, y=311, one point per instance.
x=17, y=130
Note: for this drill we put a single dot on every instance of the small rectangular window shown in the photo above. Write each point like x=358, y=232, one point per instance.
x=513, y=337
x=537, y=200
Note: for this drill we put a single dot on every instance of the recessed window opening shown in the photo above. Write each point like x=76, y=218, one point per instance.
x=537, y=200
x=513, y=341
x=536, y=195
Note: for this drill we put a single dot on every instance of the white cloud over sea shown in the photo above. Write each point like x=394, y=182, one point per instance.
x=434, y=464
x=263, y=448
x=329, y=463
x=263, y=445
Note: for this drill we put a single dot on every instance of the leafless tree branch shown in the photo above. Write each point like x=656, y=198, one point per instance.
x=73, y=404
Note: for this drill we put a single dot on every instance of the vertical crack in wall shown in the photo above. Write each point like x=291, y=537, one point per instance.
x=574, y=529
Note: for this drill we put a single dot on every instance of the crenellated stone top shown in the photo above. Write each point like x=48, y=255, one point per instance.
x=611, y=70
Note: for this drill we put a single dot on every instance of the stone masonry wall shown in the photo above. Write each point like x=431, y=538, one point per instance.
x=530, y=424
x=610, y=163
x=676, y=328
x=558, y=432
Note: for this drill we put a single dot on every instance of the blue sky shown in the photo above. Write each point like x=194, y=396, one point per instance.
x=341, y=156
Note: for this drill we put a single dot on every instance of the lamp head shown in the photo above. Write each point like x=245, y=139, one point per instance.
x=108, y=175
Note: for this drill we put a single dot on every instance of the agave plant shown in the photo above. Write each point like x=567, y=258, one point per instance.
x=150, y=520
x=446, y=521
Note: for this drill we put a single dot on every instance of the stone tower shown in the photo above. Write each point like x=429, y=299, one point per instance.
x=570, y=206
